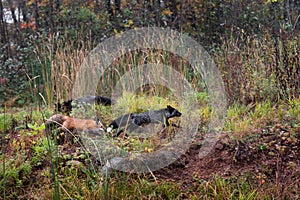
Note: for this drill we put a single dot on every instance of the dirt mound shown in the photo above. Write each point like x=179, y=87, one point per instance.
x=271, y=154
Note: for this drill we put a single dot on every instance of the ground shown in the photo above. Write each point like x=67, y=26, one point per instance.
x=270, y=155
x=267, y=156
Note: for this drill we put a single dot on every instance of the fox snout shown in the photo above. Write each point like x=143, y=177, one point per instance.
x=177, y=113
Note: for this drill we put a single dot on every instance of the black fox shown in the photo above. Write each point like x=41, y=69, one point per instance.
x=66, y=106
x=134, y=120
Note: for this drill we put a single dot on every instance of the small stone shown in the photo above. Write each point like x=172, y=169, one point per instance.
x=74, y=163
x=271, y=153
x=272, y=143
x=277, y=125
x=219, y=146
x=285, y=134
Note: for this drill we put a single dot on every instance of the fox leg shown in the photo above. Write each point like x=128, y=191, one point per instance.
x=130, y=128
x=167, y=123
x=118, y=133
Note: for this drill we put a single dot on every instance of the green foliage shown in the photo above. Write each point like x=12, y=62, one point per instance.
x=40, y=152
x=36, y=128
x=237, y=119
x=13, y=73
x=72, y=174
x=255, y=45
x=130, y=102
x=257, y=50
x=294, y=109
x=16, y=174
x=263, y=110
x=21, y=118
x=5, y=122
x=104, y=113
x=81, y=21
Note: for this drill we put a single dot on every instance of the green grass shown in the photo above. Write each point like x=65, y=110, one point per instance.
x=78, y=178
x=243, y=119
x=74, y=175
x=130, y=102
x=232, y=188
x=294, y=109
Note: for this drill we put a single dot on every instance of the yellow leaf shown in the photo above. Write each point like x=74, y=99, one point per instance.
x=128, y=24
x=29, y=3
x=167, y=12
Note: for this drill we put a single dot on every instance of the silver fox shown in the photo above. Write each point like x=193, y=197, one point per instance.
x=133, y=120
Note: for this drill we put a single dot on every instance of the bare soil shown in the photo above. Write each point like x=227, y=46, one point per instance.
x=269, y=154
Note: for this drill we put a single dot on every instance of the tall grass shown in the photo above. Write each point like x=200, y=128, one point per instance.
x=253, y=68
x=60, y=60
x=256, y=68
x=247, y=66
x=3, y=158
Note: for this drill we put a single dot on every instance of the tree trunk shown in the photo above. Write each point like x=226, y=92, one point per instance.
x=174, y=15
x=12, y=9
x=57, y=4
x=3, y=31
x=286, y=13
x=51, y=11
x=157, y=9
x=23, y=8
x=36, y=14
x=109, y=10
x=117, y=7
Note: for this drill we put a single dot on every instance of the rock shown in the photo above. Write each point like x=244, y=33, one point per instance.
x=74, y=163
x=219, y=146
x=271, y=153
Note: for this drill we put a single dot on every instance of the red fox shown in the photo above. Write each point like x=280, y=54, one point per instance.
x=70, y=123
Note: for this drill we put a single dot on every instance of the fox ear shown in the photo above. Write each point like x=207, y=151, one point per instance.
x=170, y=108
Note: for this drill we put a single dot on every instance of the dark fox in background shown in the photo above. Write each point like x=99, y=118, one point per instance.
x=66, y=106
x=134, y=120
